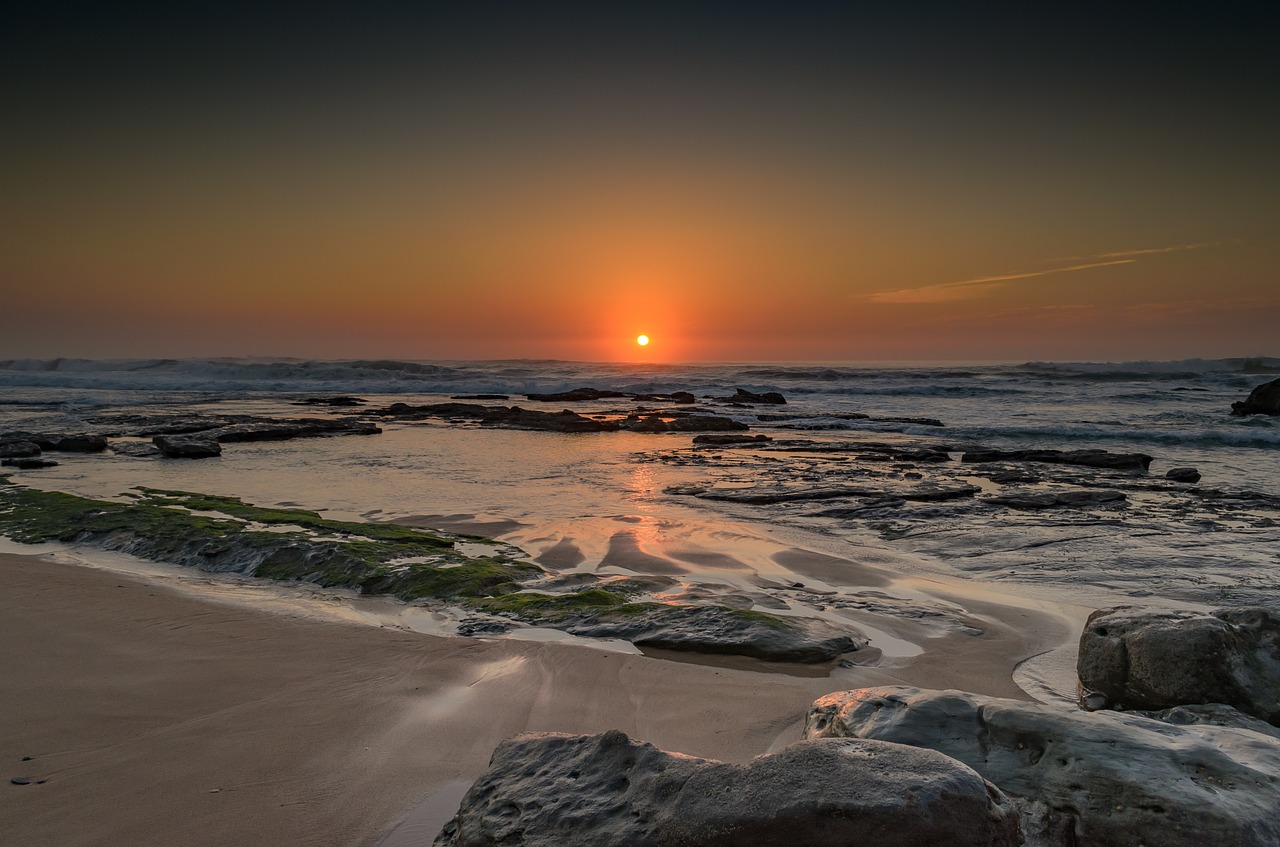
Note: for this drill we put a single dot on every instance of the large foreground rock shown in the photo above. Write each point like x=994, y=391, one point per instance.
x=1263, y=400
x=550, y=790
x=1140, y=659
x=1084, y=779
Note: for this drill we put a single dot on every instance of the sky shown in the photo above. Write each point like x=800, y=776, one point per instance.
x=743, y=181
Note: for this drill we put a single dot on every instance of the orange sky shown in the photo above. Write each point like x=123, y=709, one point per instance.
x=732, y=210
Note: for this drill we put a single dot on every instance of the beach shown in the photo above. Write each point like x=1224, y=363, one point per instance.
x=160, y=715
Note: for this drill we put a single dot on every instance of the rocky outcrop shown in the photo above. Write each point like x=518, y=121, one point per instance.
x=512, y=417
x=331, y=401
x=187, y=446
x=1056, y=499
x=551, y=790
x=1085, y=458
x=19, y=449
x=1140, y=659
x=731, y=440
x=1263, y=400
x=1100, y=779
x=926, y=493
x=284, y=430
x=682, y=423
x=28, y=463
x=1183, y=475
x=717, y=630
x=580, y=395
x=770, y=398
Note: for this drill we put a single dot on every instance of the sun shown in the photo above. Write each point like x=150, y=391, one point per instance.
x=642, y=340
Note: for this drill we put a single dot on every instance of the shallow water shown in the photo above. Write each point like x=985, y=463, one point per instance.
x=603, y=504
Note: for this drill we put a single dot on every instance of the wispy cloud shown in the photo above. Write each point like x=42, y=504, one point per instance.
x=968, y=289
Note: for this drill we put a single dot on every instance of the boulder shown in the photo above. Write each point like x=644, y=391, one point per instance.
x=1056, y=499
x=552, y=790
x=1183, y=475
x=577, y=395
x=1143, y=659
x=75, y=443
x=717, y=630
x=28, y=463
x=1101, y=779
x=331, y=401
x=771, y=398
x=1084, y=458
x=731, y=440
x=187, y=446
x=1263, y=400
x=19, y=450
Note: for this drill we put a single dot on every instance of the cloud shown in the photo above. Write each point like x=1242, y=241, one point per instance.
x=968, y=289
x=1148, y=251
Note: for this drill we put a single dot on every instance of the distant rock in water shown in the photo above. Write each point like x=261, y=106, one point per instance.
x=1083, y=779
x=1183, y=475
x=28, y=463
x=1056, y=499
x=480, y=397
x=1141, y=659
x=1263, y=400
x=1085, y=458
x=552, y=790
x=330, y=401
x=731, y=440
x=772, y=398
x=19, y=449
x=580, y=395
x=198, y=446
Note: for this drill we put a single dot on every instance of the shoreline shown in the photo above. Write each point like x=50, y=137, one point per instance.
x=137, y=699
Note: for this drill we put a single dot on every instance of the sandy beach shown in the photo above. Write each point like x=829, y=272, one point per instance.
x=160, y=716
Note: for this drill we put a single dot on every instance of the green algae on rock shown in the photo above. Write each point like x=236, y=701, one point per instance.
x=225, y=534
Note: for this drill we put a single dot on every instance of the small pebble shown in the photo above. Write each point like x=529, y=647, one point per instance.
x=20, y=780
x=214, y=790
x=26, y=758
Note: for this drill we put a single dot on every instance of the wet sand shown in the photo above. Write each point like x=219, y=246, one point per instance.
x=158, y=716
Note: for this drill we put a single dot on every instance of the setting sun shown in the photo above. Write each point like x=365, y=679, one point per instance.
x=642, y=340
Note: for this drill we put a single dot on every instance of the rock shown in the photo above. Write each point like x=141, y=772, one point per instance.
x=772, y=398
x=682, y=397
x=1263, y=400
x=705, y=423
x=552, y=790
x=1183, y=475
x=1140, y=659
x=75, y=443
x=926, y=493
x=731, y=440
x=187, y=446
x=284, y=430
x=28, y=464
x=1100, y=779
x=19, y=450
x=20, y=780
x=512, y=417
x=577, y=395
x=330, y=401
x=135, y=449
x=1056, y=499
x=1210, y=714
x=716, y=630
x=480, y=397
x=1085, y=458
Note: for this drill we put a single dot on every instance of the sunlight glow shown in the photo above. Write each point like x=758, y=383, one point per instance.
x=642, y=340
